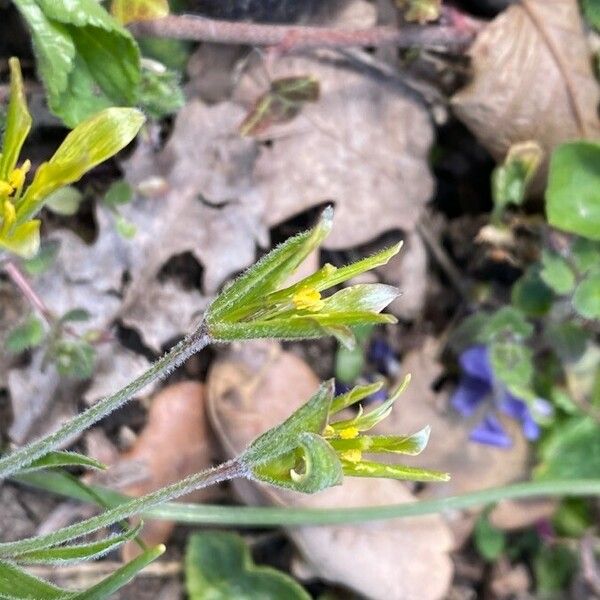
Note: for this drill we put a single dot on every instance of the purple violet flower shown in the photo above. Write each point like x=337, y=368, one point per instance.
x=478, y=385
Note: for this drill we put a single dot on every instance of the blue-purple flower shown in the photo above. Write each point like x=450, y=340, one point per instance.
x=478, y=387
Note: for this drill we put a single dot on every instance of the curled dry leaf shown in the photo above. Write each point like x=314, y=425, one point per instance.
x=363, y=146
x=258, y=386
x=174, y=444
x=532, y=80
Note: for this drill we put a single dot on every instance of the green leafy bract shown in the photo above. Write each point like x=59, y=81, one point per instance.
x=85, y=58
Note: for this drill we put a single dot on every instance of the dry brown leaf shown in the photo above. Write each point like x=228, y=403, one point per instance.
x=472, y=466
x=174, y=443
x=532, y=79
x=257, y=387
x=363, y=145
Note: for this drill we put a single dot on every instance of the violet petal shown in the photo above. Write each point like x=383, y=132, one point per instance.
x=490, y=432
x=469, y=393
x=475, y=362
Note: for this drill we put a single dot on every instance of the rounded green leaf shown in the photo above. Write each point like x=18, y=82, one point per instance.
x=573, y=193
x=556, y=273
x=586, y=299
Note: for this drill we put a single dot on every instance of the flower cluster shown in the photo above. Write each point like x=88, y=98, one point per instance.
x=312, y=451
x=479, y=389
x=90, y=143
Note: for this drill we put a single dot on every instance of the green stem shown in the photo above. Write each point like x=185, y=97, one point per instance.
x=23, y=457
x=135, y=506
x=246, y=516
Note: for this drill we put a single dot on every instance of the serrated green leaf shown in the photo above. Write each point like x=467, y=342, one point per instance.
x=490, y=541
x=556, y=273
x=506, y=323
x=28, y=335
x=121, y=577
x=573, y=192
x=89, y=144
x=218, y=566
x=74, y=358
x=17, y=584
x=45, y=256
x=18, y=122
x=64, y=201
x=78, y=552
x=75, y=314
x=531, y=295
x=59, y=459
x=572, y=451
x=85, y=58
x=512, y=364
x=586, y=299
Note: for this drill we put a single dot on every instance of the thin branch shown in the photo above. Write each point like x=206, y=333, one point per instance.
x=303, y=37
x=23, y=285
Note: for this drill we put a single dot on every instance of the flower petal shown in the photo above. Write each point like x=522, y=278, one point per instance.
x=469, y=394
x=476, y=363
x=491, y=432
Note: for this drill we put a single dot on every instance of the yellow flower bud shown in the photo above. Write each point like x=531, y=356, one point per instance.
x=17, y=176
x=5, y=188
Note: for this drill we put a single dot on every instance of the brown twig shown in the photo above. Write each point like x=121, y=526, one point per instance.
x=302, y=37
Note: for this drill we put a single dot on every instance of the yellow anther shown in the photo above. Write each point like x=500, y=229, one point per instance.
x=307, y=298
x=5, y=188
x=349, y=433
x=17, y=176
x=329, y=431
x=351, y=455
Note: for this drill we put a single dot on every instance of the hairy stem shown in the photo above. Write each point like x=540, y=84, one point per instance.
x=23, y=285
x=224, y=472
x=23, y=457
x=303, y=37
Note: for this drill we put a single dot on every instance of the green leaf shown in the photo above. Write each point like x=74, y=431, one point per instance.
x=218, y=566
x=119, y=193
x=18, y=122
x=78, y=552
x=86, y=60
x=506, y=323
x=45, y=256
x=28, y=335
x=572, y=451
x=489, y=541
x=74, y=358
x=531, y=295
x=591, y=12
x=512, y=364
x=89, y=144
x=75, y=314
x=585, y=254
x=121, y=577
x=160, y=90
x=556, y=273
x=586, y=299
x=64, y=201
x=554, y=568
x=568, y=340
x=60, y=459
x=573, y=192
x=16, y=584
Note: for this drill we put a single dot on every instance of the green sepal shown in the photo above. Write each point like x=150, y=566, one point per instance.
x=411, y=445
x=310, y=467
x=356, y=394
x=369, y=297
x=18, y=121
x=23, y=240
x=92, y=142
x=78, y=552
x=366, y=468
x=60, y=458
